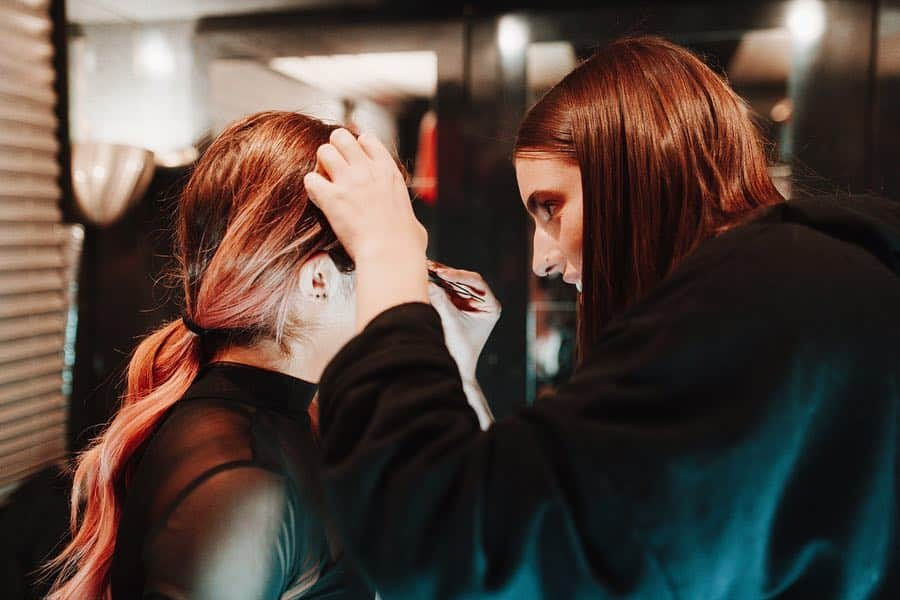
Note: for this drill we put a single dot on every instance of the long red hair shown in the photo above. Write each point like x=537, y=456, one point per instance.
x=245, y=226
x=669, y=157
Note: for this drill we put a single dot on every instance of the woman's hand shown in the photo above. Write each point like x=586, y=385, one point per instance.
x=359, y=188
x=467, y=323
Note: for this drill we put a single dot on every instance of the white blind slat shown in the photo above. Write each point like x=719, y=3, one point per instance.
x=29, y=213
x=31, y=368
x=28, y=325
x=30, y=281
x=45, y=345
x=18, y=444
x=14, y=93
x=38, y=255
x=30, y=304
x=35, y=71
x=26, y=45
x=33, y=425
x=42, y=116
x=31, y=406
x=31, y=234
x=23, y=464
x=24, y=17
x=25, y=259
x=36, y=386
x=38, y=7
x=19, y=464
x=24, y=185
x=28, y=138
x=30, y=163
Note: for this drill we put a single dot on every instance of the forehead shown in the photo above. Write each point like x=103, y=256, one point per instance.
x=549, y=174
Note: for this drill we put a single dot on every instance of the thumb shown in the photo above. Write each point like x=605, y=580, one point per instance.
x=437, y=295
x=441, y=301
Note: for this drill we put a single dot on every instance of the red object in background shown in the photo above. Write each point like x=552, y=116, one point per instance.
x=425, y=175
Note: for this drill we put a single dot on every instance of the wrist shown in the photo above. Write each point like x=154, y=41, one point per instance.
x=388, y=252
x=388, y=281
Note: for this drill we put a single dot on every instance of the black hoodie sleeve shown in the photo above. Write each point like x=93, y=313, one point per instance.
x=710, y=446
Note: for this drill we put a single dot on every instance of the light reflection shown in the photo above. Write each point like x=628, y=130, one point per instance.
x=806, y=20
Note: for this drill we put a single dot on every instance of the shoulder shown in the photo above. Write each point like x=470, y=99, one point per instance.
x=761, y=294
x=196, y=437
x=781, y=276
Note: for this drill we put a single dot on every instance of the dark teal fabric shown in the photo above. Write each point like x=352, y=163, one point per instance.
x=734, y=435
x=225, y=500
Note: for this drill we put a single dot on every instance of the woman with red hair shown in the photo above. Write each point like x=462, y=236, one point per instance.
x=732, y=428
x=205, y=483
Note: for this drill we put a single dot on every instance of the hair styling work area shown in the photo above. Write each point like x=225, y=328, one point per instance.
x=201, y=333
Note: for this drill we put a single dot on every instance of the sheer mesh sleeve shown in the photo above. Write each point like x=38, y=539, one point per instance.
x=210, y=514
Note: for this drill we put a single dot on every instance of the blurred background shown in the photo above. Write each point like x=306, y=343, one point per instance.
x=105, y=105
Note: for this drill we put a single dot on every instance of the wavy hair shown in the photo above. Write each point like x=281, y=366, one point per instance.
x=245, y=226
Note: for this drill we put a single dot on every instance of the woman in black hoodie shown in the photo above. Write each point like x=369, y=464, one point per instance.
x=732, y=428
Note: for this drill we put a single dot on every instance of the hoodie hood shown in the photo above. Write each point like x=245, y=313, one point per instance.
x=869, y=222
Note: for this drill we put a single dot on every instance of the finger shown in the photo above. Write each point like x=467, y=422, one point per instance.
x=349, y=148
x=331, y=162
x=317, y=188
x=438, y=297
x=377, y=151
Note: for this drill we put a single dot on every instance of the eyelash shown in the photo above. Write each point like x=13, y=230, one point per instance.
x=549, y=209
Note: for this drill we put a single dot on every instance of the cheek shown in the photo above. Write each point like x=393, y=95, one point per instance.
x=571, y=241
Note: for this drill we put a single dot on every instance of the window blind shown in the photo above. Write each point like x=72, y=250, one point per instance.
x=38, y=254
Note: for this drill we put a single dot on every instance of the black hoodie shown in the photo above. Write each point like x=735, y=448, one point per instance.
x=733, y=435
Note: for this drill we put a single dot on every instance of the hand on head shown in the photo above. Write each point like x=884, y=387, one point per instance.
x=359, y=188
x=361, y=191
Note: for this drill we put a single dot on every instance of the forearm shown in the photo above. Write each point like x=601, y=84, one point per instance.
x=428, y=505
x=382, y=435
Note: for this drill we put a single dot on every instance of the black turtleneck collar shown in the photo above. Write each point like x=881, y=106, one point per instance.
x=255, y=386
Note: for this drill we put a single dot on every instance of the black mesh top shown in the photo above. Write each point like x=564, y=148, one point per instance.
x=225, y=502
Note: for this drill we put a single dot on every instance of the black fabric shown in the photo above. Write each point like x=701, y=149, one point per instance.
x=34, y=527
x=733, y=435
x=225, y=501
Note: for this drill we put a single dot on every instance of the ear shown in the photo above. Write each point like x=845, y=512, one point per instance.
x=318, y=277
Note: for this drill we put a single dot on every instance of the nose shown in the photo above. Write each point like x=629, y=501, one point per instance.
x=547, y=257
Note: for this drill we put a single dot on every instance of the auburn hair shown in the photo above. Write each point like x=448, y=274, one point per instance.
x=245, y=226
x=669, y=157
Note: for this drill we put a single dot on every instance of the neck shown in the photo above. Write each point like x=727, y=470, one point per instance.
x=304, y=360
